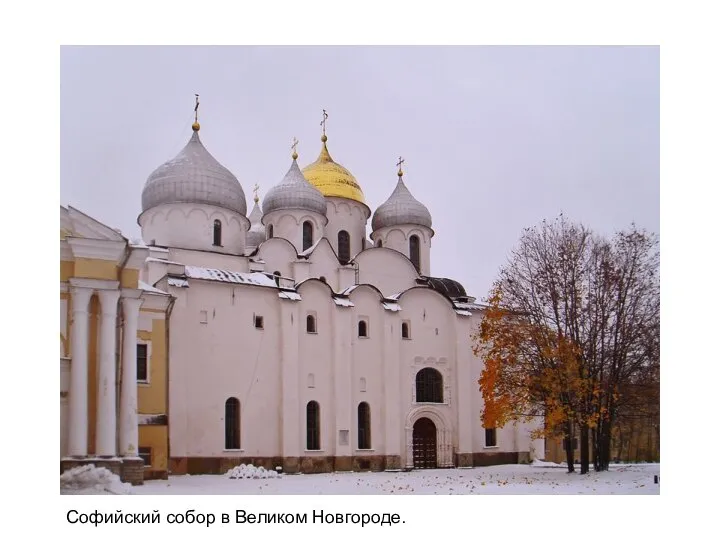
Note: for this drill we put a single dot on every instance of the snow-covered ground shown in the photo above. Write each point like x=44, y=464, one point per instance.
x=539, y=478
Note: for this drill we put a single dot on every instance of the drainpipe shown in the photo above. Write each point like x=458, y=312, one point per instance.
x=119, y=320
x=168, y=312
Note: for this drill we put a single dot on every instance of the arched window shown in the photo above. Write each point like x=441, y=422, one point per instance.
x=232, y=424
x=310, y=324
x=344, y=247
x=405, y=330
x=364, y=426
x=415, y=251
x=313, y=426
x=307, y=235
x=270, y=231
x=217, y=233
x=362, y=329
x=428, y=386
x=277, y=275
x=379, y=243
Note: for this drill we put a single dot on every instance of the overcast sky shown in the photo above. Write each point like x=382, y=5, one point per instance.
x=494, y=138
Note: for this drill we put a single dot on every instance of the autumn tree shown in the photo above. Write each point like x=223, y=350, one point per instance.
x=559, y=338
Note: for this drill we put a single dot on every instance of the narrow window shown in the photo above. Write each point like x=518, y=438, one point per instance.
x=344, y=247
x=322, y=278
x=364, y=426
x=270, y=231
x=313, y=426
x=405, y=330
x=142, y=362
x=232, y=424
x=259, y=323
x=217, y=233
x=277, y=275
x=490, y=437
x=145, y=453
x=415, y=251
x=428, y=386
x=362, y=329
x=379, y=243
x=310, y=323
x=307, y=235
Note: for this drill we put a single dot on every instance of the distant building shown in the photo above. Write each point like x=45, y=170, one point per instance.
x=295, y=340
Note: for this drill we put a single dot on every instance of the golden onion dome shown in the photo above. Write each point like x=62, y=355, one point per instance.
x=331, y=178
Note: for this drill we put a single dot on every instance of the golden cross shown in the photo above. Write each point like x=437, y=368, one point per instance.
x=399, y=164
x=325, y=117
x=255, y=190
x=197, y=104
x=294, y=144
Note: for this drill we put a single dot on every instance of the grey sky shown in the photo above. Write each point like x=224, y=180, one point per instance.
x=494, y=138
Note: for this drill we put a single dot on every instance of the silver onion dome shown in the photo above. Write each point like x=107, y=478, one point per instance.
x=256, y=234
x=401, y=208
x=194, y=176
x=294, y=193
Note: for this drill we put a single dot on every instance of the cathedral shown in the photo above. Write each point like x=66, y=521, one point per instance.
x=286, y=336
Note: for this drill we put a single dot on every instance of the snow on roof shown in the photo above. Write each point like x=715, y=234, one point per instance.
x=289, y=295
x=159, y=249
x=344, y=302
x=213, y=274
x=465, y=305
x=155, y=259
x=309, y=250
x=463, y=312
x=149, y=288
x=350, y=289
x=177, y=282
x=392, y=306
x=394, y=296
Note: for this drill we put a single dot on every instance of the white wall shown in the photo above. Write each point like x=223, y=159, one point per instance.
x=347, y=215
x=190, y=226
x=387, y=270
x=226, y=357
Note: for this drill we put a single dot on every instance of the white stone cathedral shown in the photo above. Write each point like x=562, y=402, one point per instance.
x=296, y=341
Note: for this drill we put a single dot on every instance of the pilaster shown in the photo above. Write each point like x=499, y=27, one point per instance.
x=128, y=389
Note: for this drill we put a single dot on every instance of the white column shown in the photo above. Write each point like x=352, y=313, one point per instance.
x=78, y=428
x=128, y=388
x=106, y=394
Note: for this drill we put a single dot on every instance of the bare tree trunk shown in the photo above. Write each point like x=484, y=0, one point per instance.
x=584, y=449
x=569, y=452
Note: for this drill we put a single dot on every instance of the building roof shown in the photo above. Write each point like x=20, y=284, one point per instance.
x=401, y=208
x=331, y=178
x=294, y=193
x=194, y=176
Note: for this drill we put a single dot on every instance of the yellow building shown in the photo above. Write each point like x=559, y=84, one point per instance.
x=113, y=353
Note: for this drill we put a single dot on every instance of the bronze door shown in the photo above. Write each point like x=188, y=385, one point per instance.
x=424, y=444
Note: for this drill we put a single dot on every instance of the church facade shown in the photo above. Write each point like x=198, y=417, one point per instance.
x=297, y=340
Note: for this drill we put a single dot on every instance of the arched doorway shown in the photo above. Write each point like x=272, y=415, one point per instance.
x=424, y=444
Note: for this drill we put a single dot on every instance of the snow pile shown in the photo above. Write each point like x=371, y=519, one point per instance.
x=250, y=471
x=548, y=464
x=91, y=480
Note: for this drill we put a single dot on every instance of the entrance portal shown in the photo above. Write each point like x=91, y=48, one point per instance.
x=424, y=444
